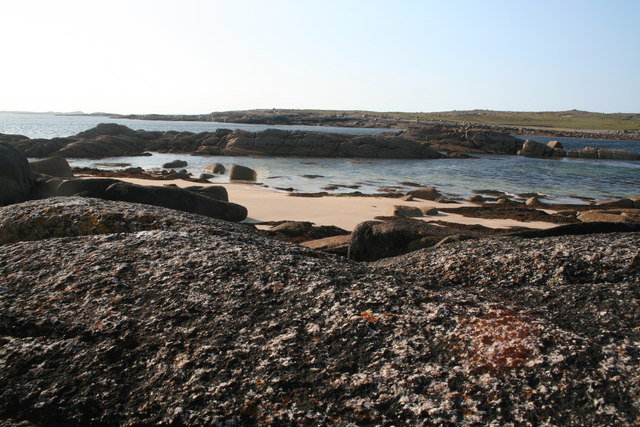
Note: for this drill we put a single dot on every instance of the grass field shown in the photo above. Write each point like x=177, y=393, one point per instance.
x=573, y=119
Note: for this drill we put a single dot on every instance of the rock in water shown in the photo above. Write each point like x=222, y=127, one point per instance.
x=53, y=166
x=216, y=168
x=425, y=193
x=15, y=176
x=175, y=164
x=242, y=173
x=176, y=198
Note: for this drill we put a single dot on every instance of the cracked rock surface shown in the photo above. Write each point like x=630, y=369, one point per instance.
x=184, y=319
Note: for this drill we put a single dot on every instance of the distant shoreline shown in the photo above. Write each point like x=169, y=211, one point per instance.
x=566, y=124
x=558, y=124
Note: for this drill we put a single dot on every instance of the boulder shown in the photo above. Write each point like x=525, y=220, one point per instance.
x=53, y=166
x=175, y=164
x=338, y=245
x=618, y=203
x=242, y=173
x=44, y=186
x=532, y=201
x=532, y=148
x=181, y=174
x=636, y=201
x=475, y=199
x=89, y=187
x=430, y=211
x=425, y=193
x=631, y=215
x=373, y=240
x=302, y=231
x=555, y=145
x=178, y=199
x=492, y=141
x=405, y=211
x=216, y=192
x=603, y=216
x=216, y=168
x=16, y=178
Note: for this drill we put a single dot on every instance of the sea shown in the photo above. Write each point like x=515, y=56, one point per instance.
x=560, y=181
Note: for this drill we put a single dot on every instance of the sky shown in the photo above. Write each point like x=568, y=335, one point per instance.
x=200, y=56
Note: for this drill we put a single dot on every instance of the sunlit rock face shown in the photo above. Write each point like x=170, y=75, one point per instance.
x=115, y=313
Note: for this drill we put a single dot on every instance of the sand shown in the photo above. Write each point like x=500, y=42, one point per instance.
x=266, y=204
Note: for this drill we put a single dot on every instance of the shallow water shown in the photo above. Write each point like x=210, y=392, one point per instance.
x=565, y=180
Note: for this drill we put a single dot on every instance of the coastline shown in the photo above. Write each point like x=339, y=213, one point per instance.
x=267, y=205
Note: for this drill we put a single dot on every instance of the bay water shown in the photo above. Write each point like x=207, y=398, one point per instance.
x=564, y=180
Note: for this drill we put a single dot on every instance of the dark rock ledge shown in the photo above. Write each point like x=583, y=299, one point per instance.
x=118, y=313
x=110, y=140
x=420, y=142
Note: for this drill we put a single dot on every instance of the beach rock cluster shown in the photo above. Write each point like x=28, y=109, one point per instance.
x=118, y=313
x=109, y=140
x=20, y=183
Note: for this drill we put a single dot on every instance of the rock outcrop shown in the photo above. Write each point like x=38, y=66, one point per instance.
x=52, y=166
x=424, y=142
x=16, y=179
x=176, y=198
x=462, y=139
x=109, y=140
x=603, y=153
x=117, y=313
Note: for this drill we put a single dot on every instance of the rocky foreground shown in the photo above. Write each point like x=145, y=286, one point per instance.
x=119, y=313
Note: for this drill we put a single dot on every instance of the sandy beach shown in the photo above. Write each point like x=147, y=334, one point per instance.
x=266, y=205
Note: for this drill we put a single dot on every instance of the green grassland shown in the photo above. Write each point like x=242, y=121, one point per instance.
x=572, y=119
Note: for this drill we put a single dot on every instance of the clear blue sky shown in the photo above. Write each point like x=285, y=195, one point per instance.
x=198, y=56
